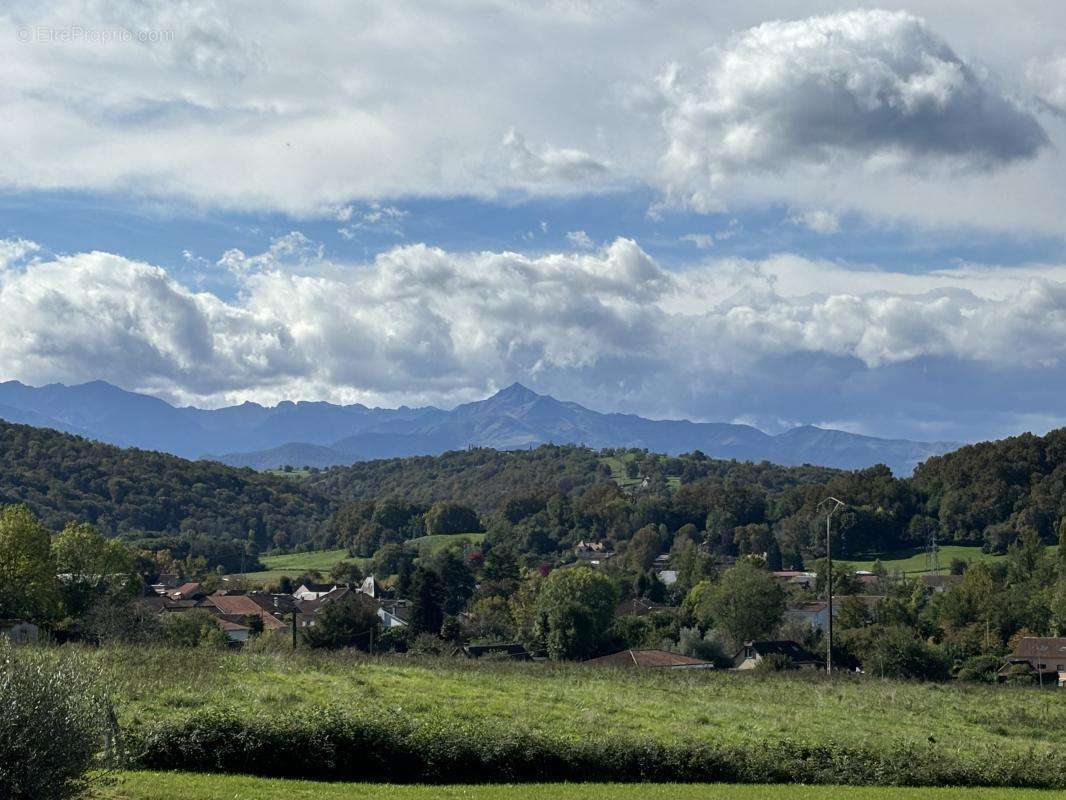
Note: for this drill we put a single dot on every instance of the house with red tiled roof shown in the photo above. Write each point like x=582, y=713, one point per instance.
x=187, y=591
x=243, y=606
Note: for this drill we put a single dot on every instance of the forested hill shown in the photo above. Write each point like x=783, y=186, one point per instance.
x=988, y=493
x=484, y=478
x=132, y=492
x=993, y=490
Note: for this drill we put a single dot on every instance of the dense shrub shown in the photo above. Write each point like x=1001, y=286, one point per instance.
x=351, y=621
x=327, y=744
x=894, y=651
x=194, y=628
x=52, y=720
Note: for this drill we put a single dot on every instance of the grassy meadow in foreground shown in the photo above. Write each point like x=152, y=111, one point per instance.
x=572, y=700
x=179, y=786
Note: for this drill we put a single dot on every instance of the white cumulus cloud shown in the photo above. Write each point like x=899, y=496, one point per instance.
x=872, y=88
x=580, y=239
x=612, y=328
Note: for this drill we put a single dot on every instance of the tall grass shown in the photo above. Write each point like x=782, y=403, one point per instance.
x=862, y=718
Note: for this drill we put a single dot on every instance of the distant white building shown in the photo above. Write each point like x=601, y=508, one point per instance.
x=313, y=591
x=668, y=577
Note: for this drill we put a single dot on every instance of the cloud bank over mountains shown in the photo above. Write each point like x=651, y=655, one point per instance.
x=778, y=339
x=845, y=128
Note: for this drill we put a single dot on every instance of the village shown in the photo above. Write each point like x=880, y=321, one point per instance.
x=242, y=614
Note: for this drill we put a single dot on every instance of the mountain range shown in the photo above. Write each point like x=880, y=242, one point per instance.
x=323, y=434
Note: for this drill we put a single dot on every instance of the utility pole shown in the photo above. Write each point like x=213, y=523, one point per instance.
x=837, y=504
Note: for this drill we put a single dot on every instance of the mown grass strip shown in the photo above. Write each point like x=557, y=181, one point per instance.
x=182, y=785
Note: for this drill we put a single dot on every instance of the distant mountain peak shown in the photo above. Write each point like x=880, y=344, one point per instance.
x=516, y=416
x=517, y=392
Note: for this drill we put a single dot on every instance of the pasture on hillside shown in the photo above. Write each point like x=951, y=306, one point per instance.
x=296, y=564
x=916, y=561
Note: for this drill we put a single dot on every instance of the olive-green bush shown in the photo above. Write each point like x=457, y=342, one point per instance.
x=52, y=722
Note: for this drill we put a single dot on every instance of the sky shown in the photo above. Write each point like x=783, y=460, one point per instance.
x=848, y=215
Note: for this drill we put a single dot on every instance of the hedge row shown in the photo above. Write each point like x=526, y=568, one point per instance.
x=328, y=744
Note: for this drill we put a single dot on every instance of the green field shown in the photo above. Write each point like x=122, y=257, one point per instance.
x=433, y=544
x=618, y=473
x=180, y=786
x=578, y=701
x=295, y=472
x=296, y=564
x=914, y=562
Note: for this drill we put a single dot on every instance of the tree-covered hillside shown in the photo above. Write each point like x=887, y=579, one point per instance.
x=485, y=478
x=990, y=492
x=136, y=493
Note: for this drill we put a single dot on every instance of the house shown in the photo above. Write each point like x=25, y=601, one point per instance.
x=276, y=604
x=512, y=650
x=753, y=653
x=241, y=606
x=368, y=586
x=796, y=577
x=186, y=591
x=940, y=583
x=649, y=659
x=393, y=613
x=1044, y=657
x=313, y=591
x=166, y=580
x=815, y=613
x=236, y=632
x=19, y=631
x=309, y=608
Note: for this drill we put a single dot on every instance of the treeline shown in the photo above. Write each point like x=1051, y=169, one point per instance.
x=542, y=501
x=480, y=477
x=484, y=478
x=993, y=491
x=987, y=494
x=137, y=494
